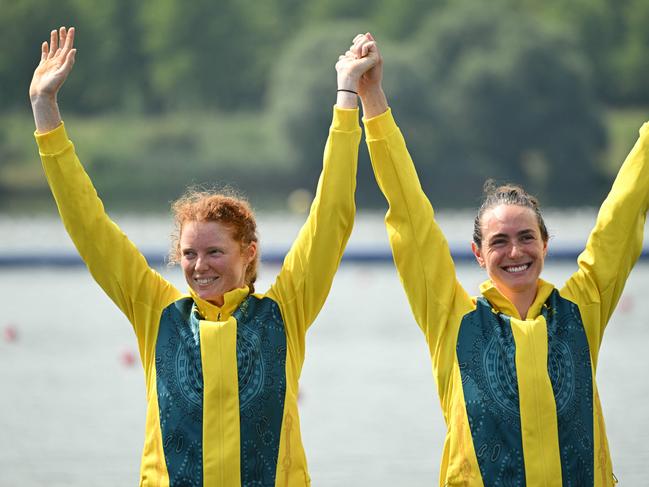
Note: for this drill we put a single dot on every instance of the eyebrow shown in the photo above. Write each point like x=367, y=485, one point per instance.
x=518, y=234
x=207, y=249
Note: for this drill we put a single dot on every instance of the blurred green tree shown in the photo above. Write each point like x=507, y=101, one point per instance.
x=301, y=95
x=517, y=102
x=206, y=54
x=24, y=25
x=112, y=72
x=614, y=38
x=479, y=91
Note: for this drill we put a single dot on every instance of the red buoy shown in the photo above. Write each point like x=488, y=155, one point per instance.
x=127, y=358
x=10, y=333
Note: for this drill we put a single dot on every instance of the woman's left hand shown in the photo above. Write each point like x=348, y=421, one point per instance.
x=57, y=59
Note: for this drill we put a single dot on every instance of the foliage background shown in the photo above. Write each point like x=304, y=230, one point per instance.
x=166, y=94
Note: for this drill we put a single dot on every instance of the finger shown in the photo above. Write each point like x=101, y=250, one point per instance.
x=357, y=36
x=61, y=47
x=358, y=48
x=69, y=61
x=54, y=43
x=358, y=45
x=45, y=49
x=355, y=47
x=368, y=47
x=355, y=43
x=370, y=36
x=366, y=63
x=65, y=43
x=69, y=41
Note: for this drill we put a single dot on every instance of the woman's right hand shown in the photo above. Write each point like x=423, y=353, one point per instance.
x=57, y=60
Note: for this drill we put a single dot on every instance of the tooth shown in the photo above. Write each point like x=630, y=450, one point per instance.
x=518, y=268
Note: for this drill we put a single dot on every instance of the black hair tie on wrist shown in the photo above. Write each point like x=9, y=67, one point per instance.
x=348, y=91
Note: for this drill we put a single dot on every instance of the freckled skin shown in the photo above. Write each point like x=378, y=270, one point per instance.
x=512, y=252
x=212, y=261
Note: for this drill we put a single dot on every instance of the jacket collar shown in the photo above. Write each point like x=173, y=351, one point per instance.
x=231, y=301
x=504, y=305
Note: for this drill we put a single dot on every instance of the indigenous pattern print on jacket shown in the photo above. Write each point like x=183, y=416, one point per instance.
x=261, y=359
x=486, y=352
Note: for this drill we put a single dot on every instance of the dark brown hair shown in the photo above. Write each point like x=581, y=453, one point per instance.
x=223, y=206
x=507, y=194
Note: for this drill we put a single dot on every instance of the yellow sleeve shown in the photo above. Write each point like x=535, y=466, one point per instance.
x=309, y=267
x=420, y=250
x=614, y=244
x=113, y=260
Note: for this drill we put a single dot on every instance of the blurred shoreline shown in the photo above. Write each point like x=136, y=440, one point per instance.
x=44, y=236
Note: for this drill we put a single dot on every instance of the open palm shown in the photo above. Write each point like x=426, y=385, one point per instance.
x=57, y=60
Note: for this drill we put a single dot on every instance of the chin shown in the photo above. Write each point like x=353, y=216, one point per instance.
x=527, y=285
x=207, y=295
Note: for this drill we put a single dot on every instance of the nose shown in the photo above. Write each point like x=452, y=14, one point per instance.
x=201, y=263
x=514, y=251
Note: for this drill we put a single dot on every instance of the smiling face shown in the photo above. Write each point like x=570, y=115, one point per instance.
x=512, y=249
x=212, y=261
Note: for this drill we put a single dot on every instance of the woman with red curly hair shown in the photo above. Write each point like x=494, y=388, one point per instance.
x=221, y=363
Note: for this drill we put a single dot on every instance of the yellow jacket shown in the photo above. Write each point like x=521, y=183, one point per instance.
x=519, y=396
x=221, y=412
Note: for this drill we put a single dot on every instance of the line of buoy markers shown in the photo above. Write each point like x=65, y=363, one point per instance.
x=369, y=255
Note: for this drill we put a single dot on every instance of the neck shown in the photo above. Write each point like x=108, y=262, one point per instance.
x=522, y=301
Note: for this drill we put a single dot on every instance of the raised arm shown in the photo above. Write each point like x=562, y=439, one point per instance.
x=420, y=250
x=309, y=267
x=615, y=243
x=113, y=260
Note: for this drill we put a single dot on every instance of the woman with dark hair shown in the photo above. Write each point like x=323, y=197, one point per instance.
x=515, y=367
x=221, y=363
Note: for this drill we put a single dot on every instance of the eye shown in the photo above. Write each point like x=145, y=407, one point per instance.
x=189, y=254
x=528, y=237
x=216, y=252
x=498, y=242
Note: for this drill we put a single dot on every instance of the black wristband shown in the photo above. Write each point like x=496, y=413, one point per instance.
x=348, y=91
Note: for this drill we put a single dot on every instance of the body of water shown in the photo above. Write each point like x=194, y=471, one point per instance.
x=72, y=409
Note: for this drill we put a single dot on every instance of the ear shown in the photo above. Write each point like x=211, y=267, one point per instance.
x=478, y=254
x=251, y=251
x=545, y=249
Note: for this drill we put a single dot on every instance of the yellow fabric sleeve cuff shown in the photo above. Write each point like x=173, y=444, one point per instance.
x=345, y=119
x=53, y=142
x=381, y=126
